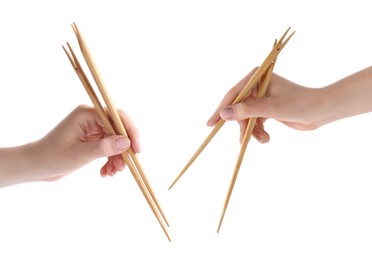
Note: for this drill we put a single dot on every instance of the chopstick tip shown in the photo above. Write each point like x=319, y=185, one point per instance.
x=174, y=182
x=71, y=59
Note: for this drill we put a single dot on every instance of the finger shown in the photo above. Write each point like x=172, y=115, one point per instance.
x=103, y=171
x=110, y=169
x=229, y=98
x=118, y=162
x=132, y=131
x=105, y=147
x=259, y=132
x=247, y=109
x=113, y=165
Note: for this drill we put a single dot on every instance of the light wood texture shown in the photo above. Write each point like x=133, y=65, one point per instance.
x=261, y=77
x=246, y=138
x=244, y=92
x=113, y=123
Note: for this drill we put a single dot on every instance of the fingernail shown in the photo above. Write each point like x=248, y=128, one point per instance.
x=227, y=113
x=122, y=143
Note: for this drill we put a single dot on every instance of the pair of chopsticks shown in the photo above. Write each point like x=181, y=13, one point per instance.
x=260, y=78
x=113, y=123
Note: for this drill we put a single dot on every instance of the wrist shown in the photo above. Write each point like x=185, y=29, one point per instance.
x=326, y=112
x=347, y=97
x=313, y=109
x=32, y=162
x=12, y=165
x=18, y=164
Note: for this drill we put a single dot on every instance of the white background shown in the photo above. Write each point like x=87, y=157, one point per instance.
x=305, y=195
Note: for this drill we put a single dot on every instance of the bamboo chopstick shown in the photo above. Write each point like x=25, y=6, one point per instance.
x=247, y=88
x=247, y=136
x=263, y=74
x=113, y=123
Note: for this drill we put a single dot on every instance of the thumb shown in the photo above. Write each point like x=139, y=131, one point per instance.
x=247, y=109
x=105, y=147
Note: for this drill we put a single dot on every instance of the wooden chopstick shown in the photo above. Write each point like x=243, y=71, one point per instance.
x=262, y=78
x=243, y=93
x=117, y=121
x=114, y=124
x=246, y=138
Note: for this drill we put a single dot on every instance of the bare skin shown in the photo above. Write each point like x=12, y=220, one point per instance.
x=297, y=106
x=79, y=139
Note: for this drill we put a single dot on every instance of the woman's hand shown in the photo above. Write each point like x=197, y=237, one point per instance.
x=295, y=106
x=77, y=140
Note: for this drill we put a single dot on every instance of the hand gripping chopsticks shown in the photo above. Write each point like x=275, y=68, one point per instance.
x=260, y=77
x=113, y=123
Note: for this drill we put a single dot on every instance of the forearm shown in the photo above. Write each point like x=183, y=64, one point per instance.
x=17, y=164
x=349, y=96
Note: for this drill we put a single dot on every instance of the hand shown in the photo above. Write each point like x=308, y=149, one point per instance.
x=79, y=139
x=295, y=106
